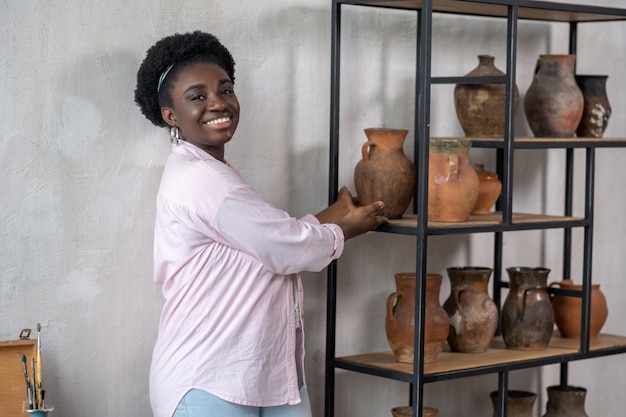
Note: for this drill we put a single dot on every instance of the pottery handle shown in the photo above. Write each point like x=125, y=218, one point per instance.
x=365, y=150
x=454, y=165
x=391, y=304
x=521, y=301
x=457, y=296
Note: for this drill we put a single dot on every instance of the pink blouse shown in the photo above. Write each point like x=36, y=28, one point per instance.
x=228, y=263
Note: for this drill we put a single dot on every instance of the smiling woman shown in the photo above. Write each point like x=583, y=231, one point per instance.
x=231, y=336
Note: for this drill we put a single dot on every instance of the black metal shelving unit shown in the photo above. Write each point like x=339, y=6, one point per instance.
x=561, y=351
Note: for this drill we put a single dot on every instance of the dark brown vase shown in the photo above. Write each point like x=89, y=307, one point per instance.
x=400, y=320
x=566, y=401
x=554, y=103
x=452, y=181
x=597, y=109
x=489, y=188
x=480, y=107
x=385, y=173
x=527, y=318
x=568, y=310
x=407, y=411
x=473, y=314
x=519, y=403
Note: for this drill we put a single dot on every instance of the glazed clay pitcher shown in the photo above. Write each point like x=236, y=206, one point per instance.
x=568, y=310
x=527, y=318
x=385, y=173
x=452, y=181
x=400, y=320
x=489, y=188
x=597, y=109
x=480, y=107
x=566, y=401
x=554, y=102
x=473, y=314
x=519, y=403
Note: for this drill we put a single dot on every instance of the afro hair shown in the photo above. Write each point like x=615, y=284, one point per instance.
x=178, y=51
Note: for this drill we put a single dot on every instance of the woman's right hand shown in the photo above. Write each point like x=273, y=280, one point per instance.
x=362, y=219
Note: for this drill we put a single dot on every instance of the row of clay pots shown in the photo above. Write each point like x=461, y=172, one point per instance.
x=468, y=319
x=557, y=103
x=455, y=189
x=563, y=401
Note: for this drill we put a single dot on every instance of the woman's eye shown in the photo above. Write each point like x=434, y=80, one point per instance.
x=197, y=97
x=228, y=91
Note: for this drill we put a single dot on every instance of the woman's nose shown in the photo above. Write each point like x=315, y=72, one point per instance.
x=216, y=103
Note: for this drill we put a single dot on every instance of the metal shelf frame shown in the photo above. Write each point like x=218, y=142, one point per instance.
x=513, y=11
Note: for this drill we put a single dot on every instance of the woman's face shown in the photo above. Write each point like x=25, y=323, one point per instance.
x=204, y=107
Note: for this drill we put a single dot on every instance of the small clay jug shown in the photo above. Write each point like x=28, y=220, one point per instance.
x=568, y=310
x=489, y=188
x=566, y=401
x=473, y=314
x=597, y=109
x=518, y=403
x=554, y=103
x=527, y=318
x=480, y=107
x=400, y=320
x=407, y=411
x=385, y=173
x=452, y=181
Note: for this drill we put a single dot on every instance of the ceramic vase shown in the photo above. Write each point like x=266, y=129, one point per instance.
x=527, y=318
x=554, y=103
x=519, y=403
x=452, y=181
x=407, y=411
x=568, y=310
x=489, y=189
x=596, y=109
x=400, y=319
x=473, y=314
x=480, y=107
x=384, y=172
x=566, y=401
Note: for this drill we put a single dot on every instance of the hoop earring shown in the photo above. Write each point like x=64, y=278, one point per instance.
x=174, y=134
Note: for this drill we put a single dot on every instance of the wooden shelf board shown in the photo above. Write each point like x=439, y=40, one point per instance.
x=497, y=354
x=532, y=10
x=494, y=218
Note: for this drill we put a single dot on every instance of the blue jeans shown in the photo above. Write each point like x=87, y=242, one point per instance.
x=198, y=403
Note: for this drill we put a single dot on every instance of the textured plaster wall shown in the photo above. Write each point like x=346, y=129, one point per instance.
x=79, y=169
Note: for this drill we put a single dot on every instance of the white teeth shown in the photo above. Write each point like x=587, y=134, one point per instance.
x=218, y=121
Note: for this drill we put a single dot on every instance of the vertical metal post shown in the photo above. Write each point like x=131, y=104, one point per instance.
x=333, y=182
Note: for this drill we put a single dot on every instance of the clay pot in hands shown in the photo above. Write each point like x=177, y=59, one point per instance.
x=489, y=189
x=554, y=103
x=480, y=107
x=400, y=320
x=568, y=310
x=452, y=181
x=473, y=314
x=385, y=173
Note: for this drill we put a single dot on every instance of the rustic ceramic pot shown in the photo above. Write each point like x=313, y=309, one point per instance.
x=489, y=188
x=400, y=319
x=527, y=318
x=568, y=310
x=519, y=403
x=480, y=107
x=566, y=401
x=597, y=109
x=452, y=181
x=407, y=411
x=473, y=314
x=385, y=173
x=554, y=103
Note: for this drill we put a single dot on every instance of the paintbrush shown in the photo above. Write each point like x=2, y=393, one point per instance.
x=38, y=378
x=33, y=385
x=29, y=394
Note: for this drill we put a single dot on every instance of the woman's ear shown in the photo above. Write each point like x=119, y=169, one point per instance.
x=168, y=115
